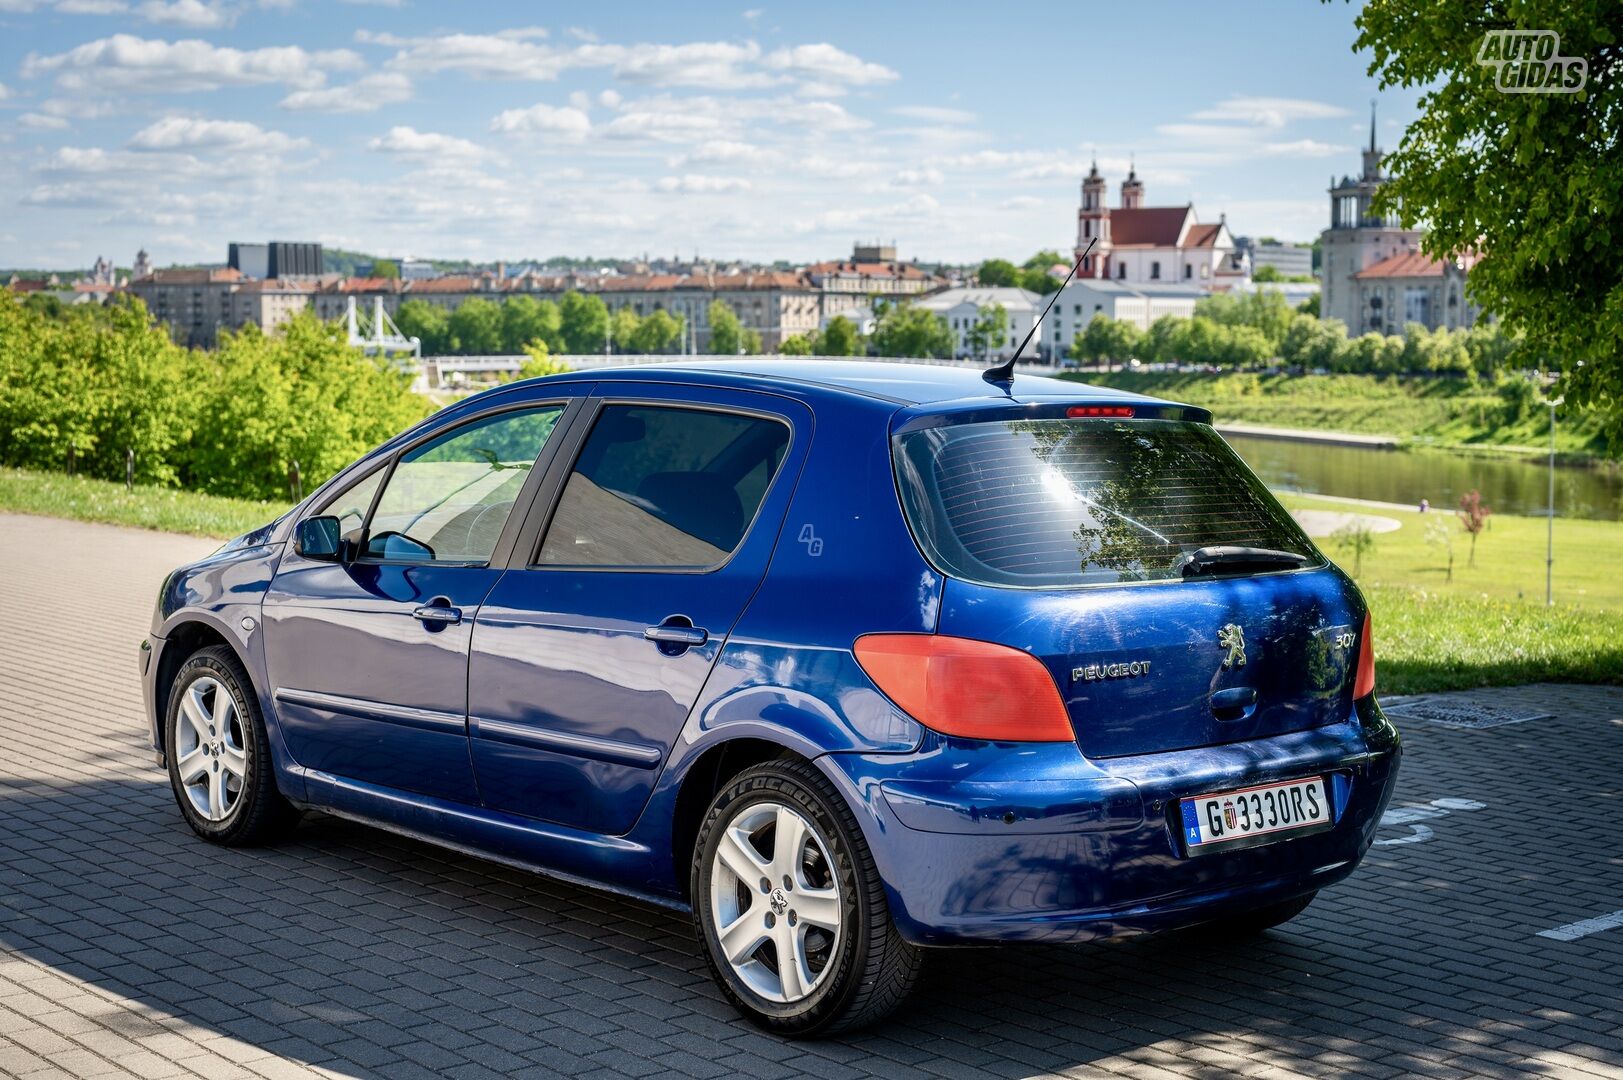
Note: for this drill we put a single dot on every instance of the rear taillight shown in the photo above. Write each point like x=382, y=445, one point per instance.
x=1364, y=682
x=967, y=688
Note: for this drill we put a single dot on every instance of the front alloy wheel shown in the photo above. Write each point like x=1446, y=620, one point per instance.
x=219, y=755
x=790, y=907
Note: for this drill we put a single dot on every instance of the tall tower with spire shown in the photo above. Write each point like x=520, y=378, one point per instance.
x=1132, y=190
x=1359, y=237
x=1093, y=221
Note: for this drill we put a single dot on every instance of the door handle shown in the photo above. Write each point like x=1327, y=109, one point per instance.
x=1234, y=703
x=438, y=610
x=673, y=634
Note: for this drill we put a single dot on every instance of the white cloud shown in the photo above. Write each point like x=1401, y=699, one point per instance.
x=193, y=14
x=935, y=114
x=196, y=133
x=1304, y=148
x=129, y=63
x=566, y=121
x=505, y=55
x=4, y=93
x=40, y=122
x=662, y=127
x=915, y=177
x=719, y=65
x=722, y=152
x=409, y=142
x=827, y=64
x=1020, y=202
x=92, y=7
x=1270, y=112
x=702, y=184
x=366, y=94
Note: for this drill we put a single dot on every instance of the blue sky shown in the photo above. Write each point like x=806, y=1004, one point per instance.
x=520, y=130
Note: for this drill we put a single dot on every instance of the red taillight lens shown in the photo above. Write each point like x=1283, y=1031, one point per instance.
x=1123, y=411
x=1364, y=682
x=967, y=688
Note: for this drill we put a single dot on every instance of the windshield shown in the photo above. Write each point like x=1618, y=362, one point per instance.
x=1078, y=502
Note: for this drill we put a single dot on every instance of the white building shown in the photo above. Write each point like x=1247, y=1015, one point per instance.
x=1140, y=305
x=961, y=308
x=1291, y=260
x=1140, y=244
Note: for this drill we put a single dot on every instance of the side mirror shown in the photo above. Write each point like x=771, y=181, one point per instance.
x=317, y=538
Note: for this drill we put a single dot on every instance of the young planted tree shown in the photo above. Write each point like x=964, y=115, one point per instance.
x=1357, y=539
x=1439, y=535
x=1473, y=519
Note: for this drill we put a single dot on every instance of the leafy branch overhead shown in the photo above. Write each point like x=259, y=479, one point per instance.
x=1533, y=182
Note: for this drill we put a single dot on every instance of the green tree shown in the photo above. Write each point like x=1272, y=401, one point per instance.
x=539, y=362
x=583, y=322
x=1313, y=343
x=905, y=330
x=1530, y=181
x=1105, y=339
x=1045, y=259
x=476, y=328
x=1164, y=341
x=796, y=345
x=988, y=331
x=301, y=395
x=1357, y=539
x=1310, y=306
x=839, y=338
x=387, y=269
x=727, y=335
x=995, y=272
x=1266, y=274
x=623, y=326
x=659, y=332
x=526, y=319
x=426, y=322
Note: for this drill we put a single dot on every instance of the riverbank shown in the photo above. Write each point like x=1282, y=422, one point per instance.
x=1441, y=413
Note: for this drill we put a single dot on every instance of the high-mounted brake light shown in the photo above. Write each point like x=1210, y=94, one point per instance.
x=1099, y=410
x=966, y=688
x=1364, y=681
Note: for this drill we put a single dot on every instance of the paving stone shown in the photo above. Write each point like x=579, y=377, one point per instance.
x=128, y=947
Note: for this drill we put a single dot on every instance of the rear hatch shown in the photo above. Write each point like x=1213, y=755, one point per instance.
x=1172, y=598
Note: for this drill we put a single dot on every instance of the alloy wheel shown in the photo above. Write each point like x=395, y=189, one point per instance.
x=211, y=758
x=775, y=902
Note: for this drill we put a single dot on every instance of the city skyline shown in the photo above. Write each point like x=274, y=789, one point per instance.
x=759, y=134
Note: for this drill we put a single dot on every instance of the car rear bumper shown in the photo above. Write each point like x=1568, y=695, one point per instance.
x=982, y=843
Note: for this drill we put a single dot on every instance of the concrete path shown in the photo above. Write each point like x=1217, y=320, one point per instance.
x=1482, y=937
x=1321, y=523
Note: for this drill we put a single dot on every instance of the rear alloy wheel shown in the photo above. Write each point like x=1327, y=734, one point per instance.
x=218, y=754
x=790, y=908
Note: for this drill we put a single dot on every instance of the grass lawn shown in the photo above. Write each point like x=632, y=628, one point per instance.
x=1420, y=412
x=25, y=491
x=1489, y=626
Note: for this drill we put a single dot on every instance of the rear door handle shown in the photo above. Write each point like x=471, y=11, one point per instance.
x=438, y=610
x=685, y=636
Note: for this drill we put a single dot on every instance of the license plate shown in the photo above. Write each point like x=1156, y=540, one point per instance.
x=1255, y=815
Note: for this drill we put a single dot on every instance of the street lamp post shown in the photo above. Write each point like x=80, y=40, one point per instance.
x=1549, y=534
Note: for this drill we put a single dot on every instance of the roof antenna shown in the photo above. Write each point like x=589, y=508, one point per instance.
x=1004, y=373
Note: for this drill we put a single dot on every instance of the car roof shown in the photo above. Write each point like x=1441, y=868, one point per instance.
x=908, y=384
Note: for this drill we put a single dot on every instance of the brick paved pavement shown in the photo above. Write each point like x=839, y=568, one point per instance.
x=128, y=947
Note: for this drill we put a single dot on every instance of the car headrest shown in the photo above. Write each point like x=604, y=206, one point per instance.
x=702, y=505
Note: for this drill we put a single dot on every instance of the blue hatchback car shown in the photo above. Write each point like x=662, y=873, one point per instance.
x=849, y=659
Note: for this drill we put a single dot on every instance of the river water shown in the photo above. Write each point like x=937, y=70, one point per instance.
x=1509, y=485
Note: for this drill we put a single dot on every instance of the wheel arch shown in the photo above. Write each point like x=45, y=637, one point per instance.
x=708, y=773
x=181, y=642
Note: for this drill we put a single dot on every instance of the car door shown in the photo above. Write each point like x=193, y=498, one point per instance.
x=586, y=662
x=368, y=655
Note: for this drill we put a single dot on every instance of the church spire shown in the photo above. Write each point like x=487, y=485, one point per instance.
x=1372, y=125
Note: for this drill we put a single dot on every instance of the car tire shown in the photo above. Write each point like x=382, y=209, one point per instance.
x=218, y=753
x=1251, y=923
x=854, y=972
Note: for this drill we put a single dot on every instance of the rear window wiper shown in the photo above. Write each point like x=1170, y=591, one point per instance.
x=1221, y=558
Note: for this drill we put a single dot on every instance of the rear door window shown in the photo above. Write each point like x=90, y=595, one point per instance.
x=661, y=486
x=1088, y=501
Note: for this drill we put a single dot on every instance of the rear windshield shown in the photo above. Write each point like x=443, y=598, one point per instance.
x=1080, y=502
